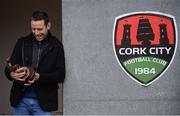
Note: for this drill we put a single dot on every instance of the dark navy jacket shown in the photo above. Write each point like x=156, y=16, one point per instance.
x=51, y=69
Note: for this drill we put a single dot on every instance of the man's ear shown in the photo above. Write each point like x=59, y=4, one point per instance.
x=49, y=25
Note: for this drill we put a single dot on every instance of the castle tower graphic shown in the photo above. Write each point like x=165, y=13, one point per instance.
x=164, y=40
x=145, y=32
x=126, y=40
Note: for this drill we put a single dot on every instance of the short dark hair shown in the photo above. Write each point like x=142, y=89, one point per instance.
x=40, y=15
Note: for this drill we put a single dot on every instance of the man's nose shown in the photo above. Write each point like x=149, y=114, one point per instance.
x=36, y=32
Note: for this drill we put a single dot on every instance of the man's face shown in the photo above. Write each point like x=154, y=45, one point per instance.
x=39, y=29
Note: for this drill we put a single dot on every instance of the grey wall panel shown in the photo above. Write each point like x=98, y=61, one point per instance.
x=95, y=83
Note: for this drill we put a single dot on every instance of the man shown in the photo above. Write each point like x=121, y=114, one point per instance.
x=40, y=66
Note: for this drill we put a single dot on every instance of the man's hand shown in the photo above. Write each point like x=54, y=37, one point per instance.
x=25, y=75
x=19, y=74
x=36, y=77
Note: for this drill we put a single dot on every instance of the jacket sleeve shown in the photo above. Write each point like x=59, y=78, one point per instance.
x=15, y=58
x=58, y=75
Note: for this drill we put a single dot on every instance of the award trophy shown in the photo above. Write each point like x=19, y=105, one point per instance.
x=29, y=72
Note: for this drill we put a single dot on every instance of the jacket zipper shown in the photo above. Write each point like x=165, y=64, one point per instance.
x=39, y=52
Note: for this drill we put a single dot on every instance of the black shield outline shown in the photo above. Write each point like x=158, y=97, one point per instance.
x=150, y=13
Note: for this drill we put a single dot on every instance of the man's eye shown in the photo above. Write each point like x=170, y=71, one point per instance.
x=39, y=29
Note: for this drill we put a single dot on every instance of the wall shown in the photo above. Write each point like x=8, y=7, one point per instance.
x=95, y=83
x=14, y=24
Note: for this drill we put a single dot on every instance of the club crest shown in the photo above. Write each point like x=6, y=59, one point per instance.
x=145, y=44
